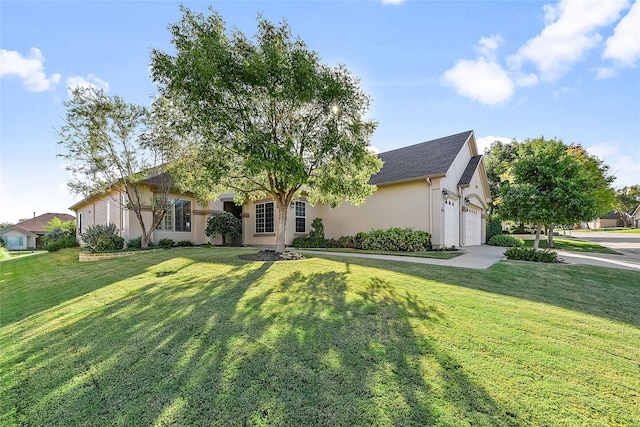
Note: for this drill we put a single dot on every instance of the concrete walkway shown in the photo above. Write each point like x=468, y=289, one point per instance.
x=483, y=257
x=475, y=257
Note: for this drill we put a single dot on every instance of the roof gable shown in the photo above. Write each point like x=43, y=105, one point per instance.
x=428, y=159
x=18, y=229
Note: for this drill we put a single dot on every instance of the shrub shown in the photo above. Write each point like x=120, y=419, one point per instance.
x=526, y=254
x=135, y=243
x=317, y=229
x=66, y=241
x=4, y=253
x=494, y=227
x=109, y=243
x=506, y=241
x=184, y=243
x=394, y=239
x=2, y=244
x=308, y=242
x=223, y=224
x=93, y=233
x=165, y=243
x=346, y=241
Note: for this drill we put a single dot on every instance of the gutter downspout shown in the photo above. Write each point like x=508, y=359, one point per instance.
x=430, y=207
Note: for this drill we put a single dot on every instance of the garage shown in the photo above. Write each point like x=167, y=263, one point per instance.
x=472, y=227
x=451, y=223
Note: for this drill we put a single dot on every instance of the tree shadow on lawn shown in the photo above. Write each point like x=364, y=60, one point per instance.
x=605, y=292
x=252, y=345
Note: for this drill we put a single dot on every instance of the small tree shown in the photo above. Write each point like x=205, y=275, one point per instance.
x=267, y=118
x=551, y=183
x=106, y=153
x=626, y=199
x=223, y=224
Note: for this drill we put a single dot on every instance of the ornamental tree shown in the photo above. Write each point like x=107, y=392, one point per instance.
x=223, y=224
x=626, y=200
x=105, y=153
x=551, y=183
x=266, y=117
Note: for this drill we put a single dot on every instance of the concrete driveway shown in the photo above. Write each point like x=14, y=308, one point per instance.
x=627, y=244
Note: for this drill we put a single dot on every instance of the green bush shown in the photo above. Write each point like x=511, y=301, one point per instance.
x=4, y=253
x=526, y=254
x=317, y=229
x=506, y=241
x=2, y=244
x=346, y=241
x=66, y=241
x=165, y=243
x=393, y=239
x=308, y=242
x=184, y=243
x=135, y=243
x=93, y=233
x=109, y=243
x=494, y=227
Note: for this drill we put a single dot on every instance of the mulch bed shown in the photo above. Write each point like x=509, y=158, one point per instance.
x=272, y=256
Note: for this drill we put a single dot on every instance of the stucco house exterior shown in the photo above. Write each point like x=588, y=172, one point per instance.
x=27, y=234
x=439, y=186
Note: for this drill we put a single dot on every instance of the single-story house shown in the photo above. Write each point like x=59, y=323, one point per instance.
x=439, y=186
x=614, y=220
x=635, y=217
x=27, y=234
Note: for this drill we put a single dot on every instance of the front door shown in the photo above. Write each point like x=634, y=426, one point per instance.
x=237, y=212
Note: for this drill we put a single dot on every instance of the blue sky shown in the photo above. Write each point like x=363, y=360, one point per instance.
x=512, y=69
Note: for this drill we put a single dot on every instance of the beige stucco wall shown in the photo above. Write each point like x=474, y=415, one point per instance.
x=105, y=210
x=396, y=205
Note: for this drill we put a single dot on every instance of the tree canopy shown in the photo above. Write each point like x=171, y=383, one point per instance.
x=266, y=118
x=551, y=183
x=626, y=199
x=105, y=151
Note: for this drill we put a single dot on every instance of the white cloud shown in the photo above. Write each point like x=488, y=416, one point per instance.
x=487, y=46
x=624, y=45
x=481, y=80
x=29, y=69
x=89, y=81
x=486, y=141
x=571, y=31
x=625, y=168
x=392, y=1
x=605, y=72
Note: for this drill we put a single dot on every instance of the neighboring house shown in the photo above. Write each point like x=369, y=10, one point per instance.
x=613, y=220
x=439, y=186
x=28, y=234
x=635, y=217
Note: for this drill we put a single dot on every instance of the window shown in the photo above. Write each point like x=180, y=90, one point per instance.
x=264, y=217
x=301, y=220
x=178, y=217
x=14, y=241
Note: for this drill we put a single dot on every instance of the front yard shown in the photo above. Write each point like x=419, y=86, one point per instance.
x=199, y=337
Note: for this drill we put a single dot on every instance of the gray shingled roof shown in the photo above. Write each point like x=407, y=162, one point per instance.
x=431, y=158
x=465, y=179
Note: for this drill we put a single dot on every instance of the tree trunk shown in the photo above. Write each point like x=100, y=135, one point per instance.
x=281, y=229
x=536, y=243
x=550, y=236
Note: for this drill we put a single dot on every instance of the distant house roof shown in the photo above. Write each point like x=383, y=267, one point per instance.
x=37, y=224
x=428, y=159
x=465, y=179
x=610, y=215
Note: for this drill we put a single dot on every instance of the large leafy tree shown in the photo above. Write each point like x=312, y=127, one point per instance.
x=266, y=117
x=551, y=183
x=105, y=151
x=626, y=199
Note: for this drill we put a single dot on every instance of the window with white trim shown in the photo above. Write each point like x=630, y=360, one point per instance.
x=177, y=217
x=301, y=218
x=264, y=217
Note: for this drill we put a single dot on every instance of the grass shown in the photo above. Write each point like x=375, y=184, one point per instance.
x=572, y=244
x=199, y=337
x=613, y=230
x=427, y=254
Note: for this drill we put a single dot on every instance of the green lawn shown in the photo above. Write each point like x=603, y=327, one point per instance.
x=199, y=337
x=615, y=230
x=572, y=244
x=427, y=254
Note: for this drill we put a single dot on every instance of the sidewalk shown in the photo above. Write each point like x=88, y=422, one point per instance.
x=475, y=257
x=483, y=257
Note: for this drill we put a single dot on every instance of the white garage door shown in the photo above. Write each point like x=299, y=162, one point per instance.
x=472, y=227
x=451, y=227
